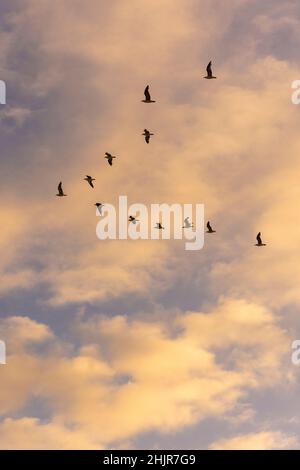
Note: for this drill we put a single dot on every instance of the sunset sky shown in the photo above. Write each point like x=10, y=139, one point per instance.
x=141, y=344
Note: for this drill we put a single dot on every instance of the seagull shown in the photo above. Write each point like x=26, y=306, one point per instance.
x=209, y=228
x=187, y=223
x=209, y=75
x=90, y=180
x=60, y=191
x=109, y=157
x=259, y=241
x=147, y=135
x=159, y=226
x=133, y=219
x=99, y=207
x=147, y=96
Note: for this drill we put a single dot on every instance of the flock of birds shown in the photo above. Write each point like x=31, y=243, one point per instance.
x=147, y=134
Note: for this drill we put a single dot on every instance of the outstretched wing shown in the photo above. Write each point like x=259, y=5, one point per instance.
x=147, y=94
x=60, y=190
x=258, y=238
x=209, y=70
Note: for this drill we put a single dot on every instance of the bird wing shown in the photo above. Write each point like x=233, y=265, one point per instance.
x=147, y=94
x=110, y=161
x=208, y=226
x=258, y=238
x=147, y=138
x=209, y=70
x=60, y=190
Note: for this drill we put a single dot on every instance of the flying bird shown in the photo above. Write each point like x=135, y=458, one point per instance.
x=133, y=219
x=99, y=207
x=159, y=226
x=109, y=157
x=147, y=135
x=90, y=180
x=259, y=240
x=147, y=96
x=209, y=75
x=60, y=190
x=187, y=223
x=209, y=228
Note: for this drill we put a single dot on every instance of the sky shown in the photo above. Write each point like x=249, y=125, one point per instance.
x=126, y=344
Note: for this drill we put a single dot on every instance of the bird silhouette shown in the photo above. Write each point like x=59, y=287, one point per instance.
x=90, y=180
x=133, y=219
x=187, y=223
x=209, y=228
x=147, y=96
x=99, y=207
x=259, y=240
x=60, y=191
x=209, y=75
x=109, y=158
x=159, y=226
x=147, y=135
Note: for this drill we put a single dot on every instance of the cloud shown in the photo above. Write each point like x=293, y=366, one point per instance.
x=33, y=435
x=24, y=330
x=216, y=333
x=138, y=375
x=263, y=440
x=208, y=159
